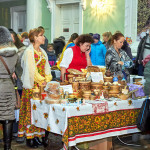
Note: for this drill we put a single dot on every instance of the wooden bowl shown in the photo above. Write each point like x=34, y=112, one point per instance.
x=85, y=85
x=77, y=79
x=87, y=92
x=87, y=96
x=54, y=96
x=76, y=94
x=75, y=86
x=106, y=87
x=124, y=96
x=121, y=87
x=113, y=95
x=64, y=83
x=123, y=82
x=83, y=75
x=71, y=96
x=47, y=101
x=108, y=79
x=70, y=78
x=96, y=85
x=93, y=97
x=96, y=92
x=114, y=89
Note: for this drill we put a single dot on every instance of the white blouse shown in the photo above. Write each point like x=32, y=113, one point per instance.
x=67, y=58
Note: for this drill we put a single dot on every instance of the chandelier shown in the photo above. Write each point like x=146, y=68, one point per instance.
x=101, y=7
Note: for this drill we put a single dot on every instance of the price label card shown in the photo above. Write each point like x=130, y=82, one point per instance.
x=97, y=76
x=67, y=88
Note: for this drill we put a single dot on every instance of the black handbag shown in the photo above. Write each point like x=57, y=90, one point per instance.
x=143, y=120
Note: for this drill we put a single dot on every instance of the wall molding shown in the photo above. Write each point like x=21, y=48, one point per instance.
x=49, y=6
x=83, y=4
x=60, y=2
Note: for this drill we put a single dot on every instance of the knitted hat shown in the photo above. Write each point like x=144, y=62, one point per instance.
x=5, y=36
x=96, y=36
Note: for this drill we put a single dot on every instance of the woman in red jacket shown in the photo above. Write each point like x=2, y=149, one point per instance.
x=77, y=57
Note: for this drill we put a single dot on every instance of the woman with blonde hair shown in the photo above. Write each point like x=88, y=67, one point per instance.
x=36, y=72
x=107, y=36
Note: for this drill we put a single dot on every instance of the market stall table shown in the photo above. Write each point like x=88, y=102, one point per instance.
x=92, y=121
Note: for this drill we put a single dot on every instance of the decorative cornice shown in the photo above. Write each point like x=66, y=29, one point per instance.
x=49, y=2
x=50, y=5
x=83, y=4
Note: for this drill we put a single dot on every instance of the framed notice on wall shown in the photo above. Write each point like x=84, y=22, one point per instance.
x=65, y=29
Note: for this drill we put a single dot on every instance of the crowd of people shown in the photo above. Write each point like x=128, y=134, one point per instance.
x=29, y=58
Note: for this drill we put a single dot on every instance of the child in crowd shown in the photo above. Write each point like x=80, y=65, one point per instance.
x=51, y=55
x=25, y=38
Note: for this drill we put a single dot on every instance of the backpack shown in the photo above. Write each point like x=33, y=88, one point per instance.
x=143, y=120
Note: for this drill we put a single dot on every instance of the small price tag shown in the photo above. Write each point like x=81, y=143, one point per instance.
x=97, y=76
x=67, y=88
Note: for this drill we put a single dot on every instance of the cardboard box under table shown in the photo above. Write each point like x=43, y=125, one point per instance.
x=96, y=120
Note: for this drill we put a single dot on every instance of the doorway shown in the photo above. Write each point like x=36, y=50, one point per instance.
x=69, y=20
x=18, y=18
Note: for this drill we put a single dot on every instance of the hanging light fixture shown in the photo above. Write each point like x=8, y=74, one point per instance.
x=101, y=7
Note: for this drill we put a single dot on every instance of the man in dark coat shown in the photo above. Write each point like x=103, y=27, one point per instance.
x=146, y=64
x=142, y=52
x=59, y=44
x=127, y=49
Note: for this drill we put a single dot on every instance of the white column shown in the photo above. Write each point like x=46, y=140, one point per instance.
x=80, y=19
x=34, y=14
x=134, y=20
x=52, y=8
x=82, y=7
x=131, y=10
x=131, y=7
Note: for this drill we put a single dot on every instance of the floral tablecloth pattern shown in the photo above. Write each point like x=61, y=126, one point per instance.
x=78, y=123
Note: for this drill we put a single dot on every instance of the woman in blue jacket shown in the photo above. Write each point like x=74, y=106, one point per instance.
x=98, y=51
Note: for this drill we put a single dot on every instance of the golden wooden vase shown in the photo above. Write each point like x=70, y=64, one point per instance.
x=36, y=94
x=42, y=90
x=75, y=86
x=70, y=78
x=114, y=89
x=85, y=85
x=96, y=85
